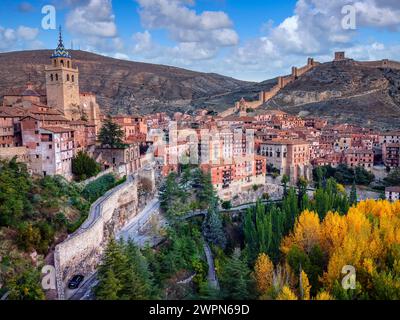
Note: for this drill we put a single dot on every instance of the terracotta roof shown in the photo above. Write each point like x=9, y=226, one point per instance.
x=393, y=189
x=46, y=117
x=13, y=111
x=58, y=129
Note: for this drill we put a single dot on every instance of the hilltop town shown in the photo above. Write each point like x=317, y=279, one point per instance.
x=250, y=152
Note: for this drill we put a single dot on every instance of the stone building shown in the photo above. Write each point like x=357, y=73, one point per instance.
x=62, y=83
x=289, y=157
x=126, y=160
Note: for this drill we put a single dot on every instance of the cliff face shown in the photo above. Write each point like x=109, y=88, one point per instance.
x=345, y=91
x=122, y=86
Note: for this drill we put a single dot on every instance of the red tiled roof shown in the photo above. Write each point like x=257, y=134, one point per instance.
x=58, y=129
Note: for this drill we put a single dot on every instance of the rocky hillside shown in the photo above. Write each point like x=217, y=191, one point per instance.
x=345, y=92
x=123, y=86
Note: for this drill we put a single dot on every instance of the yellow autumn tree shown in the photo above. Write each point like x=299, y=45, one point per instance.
x=367, y=238
x=286, y=294
x=333, y=232
x=263, y=273
x=323, y=295
x=306, y=234
x=305, y=286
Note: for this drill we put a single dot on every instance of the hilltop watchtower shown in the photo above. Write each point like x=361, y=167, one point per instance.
x=340, y=56
x=62, y=82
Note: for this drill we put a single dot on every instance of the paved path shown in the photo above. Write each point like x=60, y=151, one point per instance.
x=132, y=229
x=212, y=276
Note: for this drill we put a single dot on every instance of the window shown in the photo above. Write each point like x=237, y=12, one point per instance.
x=68, y=64
x=67, y=77
x=56, y=77
x=73, y=78
x=51, y=77
x=50, y=146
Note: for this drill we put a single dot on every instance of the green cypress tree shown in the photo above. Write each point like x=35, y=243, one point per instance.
x=353, y=194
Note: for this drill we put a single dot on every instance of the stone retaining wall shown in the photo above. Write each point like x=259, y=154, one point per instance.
x=81, y=252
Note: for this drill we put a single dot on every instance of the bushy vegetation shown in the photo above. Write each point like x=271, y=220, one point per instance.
x=342, y=174
x=393, y=178
x=84, y=167
x=96, y=189
x=34, y=213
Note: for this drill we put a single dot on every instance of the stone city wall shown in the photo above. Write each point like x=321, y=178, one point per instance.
x=81, y=252
x=380, y=64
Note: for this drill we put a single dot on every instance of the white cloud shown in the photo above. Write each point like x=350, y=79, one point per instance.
x=26, y=33
x=92, y=23
x=95, y=18
x=18, y=39
x=315, y=29
x=198, y=36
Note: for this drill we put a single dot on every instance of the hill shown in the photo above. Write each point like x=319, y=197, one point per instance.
x=345, y=91
x=122, y=86
x=361, y=93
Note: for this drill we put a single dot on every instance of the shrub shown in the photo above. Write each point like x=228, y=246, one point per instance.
x=98, y=188
x=84, y=167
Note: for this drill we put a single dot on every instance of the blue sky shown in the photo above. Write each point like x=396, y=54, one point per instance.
x=250, y=40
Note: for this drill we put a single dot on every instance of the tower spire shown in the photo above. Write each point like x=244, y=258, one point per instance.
x=60, y=52
x=60, y=39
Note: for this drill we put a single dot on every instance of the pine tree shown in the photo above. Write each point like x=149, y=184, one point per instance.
x=109, y=286
x=212, y=227
x=236, y=278
x=139, y=283
x=112, y=272
x=111, y=134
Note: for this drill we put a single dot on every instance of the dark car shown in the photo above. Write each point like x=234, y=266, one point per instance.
x=75, y=282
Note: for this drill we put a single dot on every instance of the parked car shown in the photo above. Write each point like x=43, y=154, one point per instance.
x=75, y=282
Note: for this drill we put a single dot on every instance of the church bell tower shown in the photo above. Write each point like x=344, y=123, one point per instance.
x=62, y=82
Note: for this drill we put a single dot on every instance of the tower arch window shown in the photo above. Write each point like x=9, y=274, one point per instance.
x=68, y=64
x=73, y=78
x=52, y=77
x=67, y=77
x=62, y=62
x=56, y=77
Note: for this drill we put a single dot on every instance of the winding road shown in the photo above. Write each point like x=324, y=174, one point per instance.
x=130, y=231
